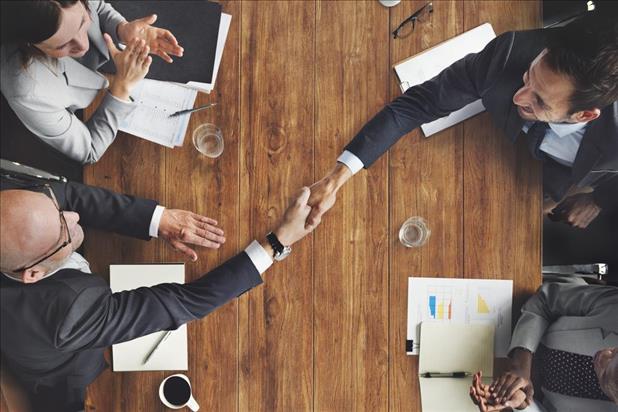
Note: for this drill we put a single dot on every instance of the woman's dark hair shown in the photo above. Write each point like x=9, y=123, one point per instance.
x=25, y=23
x=587, y=51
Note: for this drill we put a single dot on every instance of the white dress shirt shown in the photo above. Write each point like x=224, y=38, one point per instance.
x=561, y=143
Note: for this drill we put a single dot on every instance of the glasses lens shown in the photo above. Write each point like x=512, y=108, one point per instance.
x=406, y=29
x=425, y=13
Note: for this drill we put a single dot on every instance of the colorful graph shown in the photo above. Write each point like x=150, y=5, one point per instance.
x=440, y=304
x=481, y=306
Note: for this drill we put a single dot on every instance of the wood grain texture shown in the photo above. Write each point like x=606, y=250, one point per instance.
x=351, y=250
x=426, y=181
x=277, y=129
x=326, y=331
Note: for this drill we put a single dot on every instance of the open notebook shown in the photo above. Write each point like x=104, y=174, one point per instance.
x=172, y=353
x=451, y=347
x=429, y=63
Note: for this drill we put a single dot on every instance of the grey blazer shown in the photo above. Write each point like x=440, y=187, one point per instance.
x=46, y=94
x=574, y=318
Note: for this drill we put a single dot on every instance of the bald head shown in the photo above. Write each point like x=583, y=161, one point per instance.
x=32, y=228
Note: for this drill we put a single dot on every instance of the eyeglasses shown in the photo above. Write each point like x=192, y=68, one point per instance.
x=63, y=228
x=407, y=26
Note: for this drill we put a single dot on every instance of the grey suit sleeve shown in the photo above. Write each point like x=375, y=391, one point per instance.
x=555, y=300
x=109, y=18
x=99, y=318
x=61, y=129
x=456, y=86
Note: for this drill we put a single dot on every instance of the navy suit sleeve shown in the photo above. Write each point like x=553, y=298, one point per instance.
x=463, y=82
x=98, y=318
x=106, y=210
x=606, y=194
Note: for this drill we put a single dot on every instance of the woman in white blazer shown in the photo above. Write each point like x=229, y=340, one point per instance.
x=50, y=54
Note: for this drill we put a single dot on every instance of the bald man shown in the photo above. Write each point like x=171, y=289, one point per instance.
x=57, y=317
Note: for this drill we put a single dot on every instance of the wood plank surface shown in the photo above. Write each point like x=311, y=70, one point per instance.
x=276, y=158
x=326, y=330
x=351, y=250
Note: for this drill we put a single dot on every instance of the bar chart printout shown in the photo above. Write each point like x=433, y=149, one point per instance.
x=464, y=301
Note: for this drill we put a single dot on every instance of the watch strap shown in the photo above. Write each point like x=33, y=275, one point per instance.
x=275, y=243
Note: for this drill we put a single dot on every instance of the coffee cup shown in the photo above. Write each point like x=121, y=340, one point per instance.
x=175, y=392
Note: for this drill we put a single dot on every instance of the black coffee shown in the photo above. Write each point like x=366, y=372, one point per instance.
x=177, y=391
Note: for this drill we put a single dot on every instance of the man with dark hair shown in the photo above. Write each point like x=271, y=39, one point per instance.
x=557, y=87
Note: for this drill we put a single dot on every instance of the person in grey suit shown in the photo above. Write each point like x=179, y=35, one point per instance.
x=56, y=317
x=557, y=88
x=50, y=54
x=566, y=340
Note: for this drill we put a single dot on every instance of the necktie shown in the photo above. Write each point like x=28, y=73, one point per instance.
x=568, y=373
x=535, y=137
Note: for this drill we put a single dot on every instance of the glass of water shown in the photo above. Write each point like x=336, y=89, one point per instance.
x=208, y=140
x=414, y=232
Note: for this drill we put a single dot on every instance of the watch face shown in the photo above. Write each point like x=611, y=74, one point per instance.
x=286, y=251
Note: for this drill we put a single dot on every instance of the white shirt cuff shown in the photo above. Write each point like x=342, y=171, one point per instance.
x=260, y=258
x=153, y=231
x=351, y=161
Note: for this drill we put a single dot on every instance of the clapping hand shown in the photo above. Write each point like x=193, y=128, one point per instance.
x=181, y=228
x=161, y=42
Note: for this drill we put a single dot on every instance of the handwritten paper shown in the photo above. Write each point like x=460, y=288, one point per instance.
x=156, y=101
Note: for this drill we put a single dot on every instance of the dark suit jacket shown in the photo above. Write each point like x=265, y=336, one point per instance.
x=494, y=75
x=53, y=332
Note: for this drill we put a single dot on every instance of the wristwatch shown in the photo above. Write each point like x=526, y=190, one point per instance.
x=280, y=251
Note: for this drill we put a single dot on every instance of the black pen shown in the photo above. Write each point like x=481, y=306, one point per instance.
x=446, y=375
x=197, y=109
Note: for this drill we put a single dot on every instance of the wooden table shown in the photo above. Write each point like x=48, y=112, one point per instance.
x=326, y=331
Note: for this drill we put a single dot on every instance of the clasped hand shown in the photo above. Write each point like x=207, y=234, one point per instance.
x=505, y=393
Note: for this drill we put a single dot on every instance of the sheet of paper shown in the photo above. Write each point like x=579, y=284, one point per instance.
x=130, y=355
x=456, y=347
x=155, y=101
x=469, y=301
x=428, y=64
x=224, y=27
x=447, y=394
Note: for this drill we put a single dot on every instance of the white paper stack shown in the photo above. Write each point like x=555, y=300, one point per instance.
x=172, y=353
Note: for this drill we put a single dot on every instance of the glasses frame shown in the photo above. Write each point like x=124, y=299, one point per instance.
x=412, y=18
x=63, y=224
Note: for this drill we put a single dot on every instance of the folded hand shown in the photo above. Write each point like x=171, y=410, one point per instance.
x=181, y=228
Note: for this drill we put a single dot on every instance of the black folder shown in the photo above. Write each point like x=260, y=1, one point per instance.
x=195, y=24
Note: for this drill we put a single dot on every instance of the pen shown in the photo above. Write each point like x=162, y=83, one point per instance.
x=167, y=334
x=206, y=106
x=446, y=375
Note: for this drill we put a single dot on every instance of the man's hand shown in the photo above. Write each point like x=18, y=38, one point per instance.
x=324, y=193
x=181, y=228
x=292, y=227
x=578, y=210
x=161, y=42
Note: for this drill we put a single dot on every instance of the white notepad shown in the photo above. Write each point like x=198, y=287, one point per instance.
x=172, y=354
x=224, y=27
x=429, y=63
x=447, y=348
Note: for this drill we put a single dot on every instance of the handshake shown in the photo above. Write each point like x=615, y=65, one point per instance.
x=182, y=228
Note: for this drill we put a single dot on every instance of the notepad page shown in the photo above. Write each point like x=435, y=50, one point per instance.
x=448, y=347
x=173, y=353
x=156, y=101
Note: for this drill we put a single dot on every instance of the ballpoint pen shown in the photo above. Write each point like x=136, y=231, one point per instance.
x=163, y=339
x=197, y=109
x=445, y=375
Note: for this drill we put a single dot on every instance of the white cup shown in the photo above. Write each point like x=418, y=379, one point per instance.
x=178, y=396
x=389, y=3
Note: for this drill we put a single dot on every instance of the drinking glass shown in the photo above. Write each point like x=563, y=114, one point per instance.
x=414, y=232
x=208, y=140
